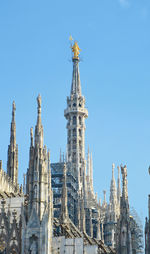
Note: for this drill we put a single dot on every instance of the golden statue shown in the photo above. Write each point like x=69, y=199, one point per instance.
x=76, y=50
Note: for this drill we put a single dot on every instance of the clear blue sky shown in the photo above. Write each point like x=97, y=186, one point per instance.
x=115, y=73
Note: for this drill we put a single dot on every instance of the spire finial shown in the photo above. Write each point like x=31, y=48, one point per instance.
x=13, y=111
x=104, y=192
x=113, y=167
x=39, y=128
x=39, y=100
x=76, y=50
x=12, y=162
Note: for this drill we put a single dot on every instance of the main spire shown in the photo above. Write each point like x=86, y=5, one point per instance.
x=76, y=84
x=76, y=113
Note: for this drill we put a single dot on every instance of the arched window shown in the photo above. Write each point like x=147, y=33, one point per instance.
x=74, y=120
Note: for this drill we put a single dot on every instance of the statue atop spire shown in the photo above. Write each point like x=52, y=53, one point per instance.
x=39, y=127
x=76, y=50
x=39, y=109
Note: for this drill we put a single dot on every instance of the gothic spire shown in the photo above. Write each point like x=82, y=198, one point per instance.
x=98, y=227
x=82, y=214
x=113, y=191
x=104, y=204
x=123, y=236
x=39, y=127
x=13, y=126
x=91, y=172
x=76, y=113
x=12, y=162
x=76, y=84
x=124, y=183
x=118, y=186
x=88, y=163
x=64, y=206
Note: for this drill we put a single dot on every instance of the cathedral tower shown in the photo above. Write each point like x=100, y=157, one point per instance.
x=76, y=113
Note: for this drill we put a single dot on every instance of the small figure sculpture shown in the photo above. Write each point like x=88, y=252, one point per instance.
x=14, y=106
x=124, y=171
x=13, y=111
x=39, y=101
x=76, y=50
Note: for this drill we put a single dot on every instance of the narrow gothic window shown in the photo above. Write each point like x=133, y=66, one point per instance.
x=74, y=119
x=80, y=120
x=74, y=132
x=74, y=157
